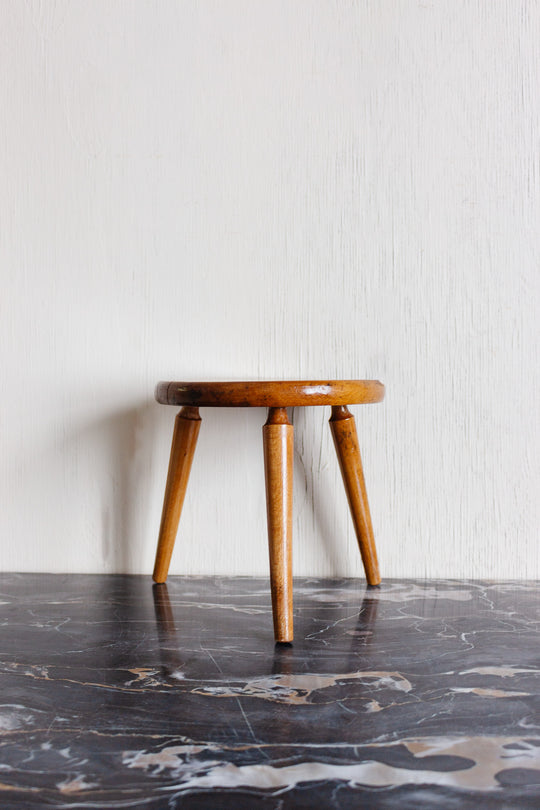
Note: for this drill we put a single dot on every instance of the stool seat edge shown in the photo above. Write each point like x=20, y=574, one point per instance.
x=269, y=393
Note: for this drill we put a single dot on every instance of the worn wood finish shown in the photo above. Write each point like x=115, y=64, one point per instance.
x=270, y=394
x=348, y=452
x=186, y=431
x=278, y=468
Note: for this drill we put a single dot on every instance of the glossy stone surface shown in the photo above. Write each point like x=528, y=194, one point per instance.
x=115, y=694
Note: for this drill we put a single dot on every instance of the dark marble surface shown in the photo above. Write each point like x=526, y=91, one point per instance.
x=413, y=695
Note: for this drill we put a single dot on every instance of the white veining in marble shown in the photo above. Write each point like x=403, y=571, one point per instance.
x=376, y=701
x=483, y=691
x=483, y=758
x=300, y=688
x=508, y=671
x=395, y=592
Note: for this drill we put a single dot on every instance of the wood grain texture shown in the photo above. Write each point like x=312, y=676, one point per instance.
x=350, y=462
x=270, y=394
x=186, y=430
x=286, y=190
x=278, y=469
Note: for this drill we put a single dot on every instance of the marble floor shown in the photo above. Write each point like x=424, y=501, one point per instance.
x=117, y=694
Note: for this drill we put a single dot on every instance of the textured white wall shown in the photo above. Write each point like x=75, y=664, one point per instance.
x=254, y=189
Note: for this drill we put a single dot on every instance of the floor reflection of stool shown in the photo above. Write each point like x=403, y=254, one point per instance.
x=278, y=466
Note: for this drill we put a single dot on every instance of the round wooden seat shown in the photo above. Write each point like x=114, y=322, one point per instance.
x=270, y=394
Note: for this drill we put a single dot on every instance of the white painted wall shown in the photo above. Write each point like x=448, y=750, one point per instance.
x=255, y=189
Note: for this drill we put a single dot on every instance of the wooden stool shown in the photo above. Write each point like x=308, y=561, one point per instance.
x=278, y=467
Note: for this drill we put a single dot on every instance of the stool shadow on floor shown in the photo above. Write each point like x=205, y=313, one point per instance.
x=363, y=634
x=168, y=640
x=287, y=659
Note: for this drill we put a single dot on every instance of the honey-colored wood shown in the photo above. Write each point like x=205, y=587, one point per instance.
x=278, y=465
x=278, y=468
x=273, y=394
x=348, y=452
x=186, y=431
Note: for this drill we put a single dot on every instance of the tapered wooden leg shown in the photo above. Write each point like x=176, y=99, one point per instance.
x=348, y=453
x=186, y=430
x=278, y=469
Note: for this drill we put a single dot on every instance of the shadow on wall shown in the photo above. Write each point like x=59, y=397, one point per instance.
x=319, y=488
x=120, y=453
x=126, y=454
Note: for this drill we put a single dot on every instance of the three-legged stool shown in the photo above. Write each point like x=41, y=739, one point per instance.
x=278, y=466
